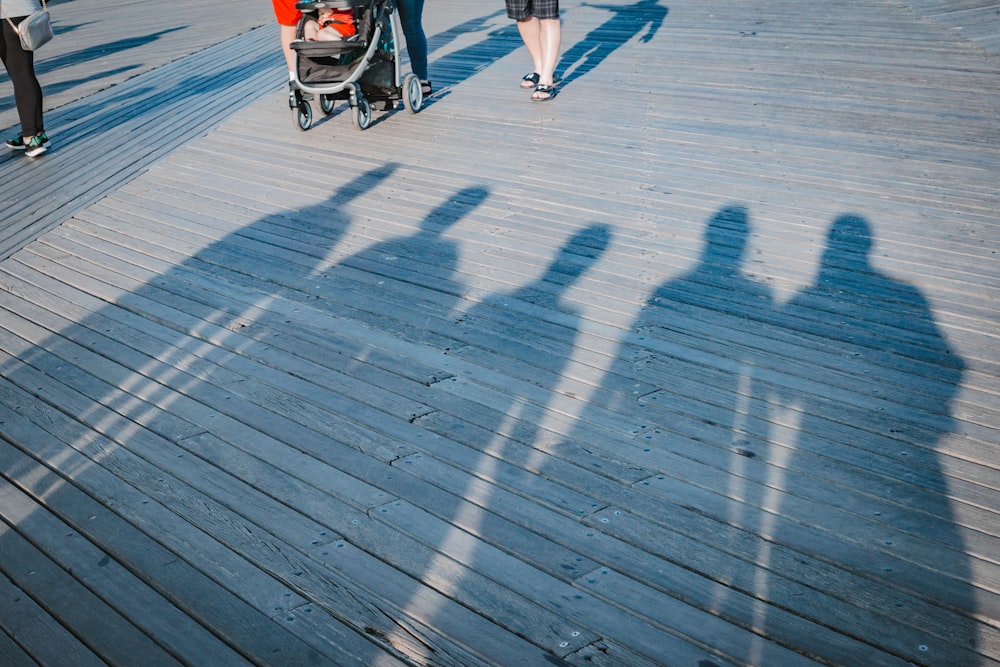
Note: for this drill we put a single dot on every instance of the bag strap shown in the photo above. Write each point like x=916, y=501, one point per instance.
x=12, y=26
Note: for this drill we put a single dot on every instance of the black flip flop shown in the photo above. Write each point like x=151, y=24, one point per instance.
x=550, y=92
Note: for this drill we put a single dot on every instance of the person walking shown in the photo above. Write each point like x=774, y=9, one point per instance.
x=411, y=13
x=538, y=23
x=20, y=65
x=287, y=16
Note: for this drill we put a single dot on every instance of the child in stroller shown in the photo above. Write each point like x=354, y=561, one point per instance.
x=329, y=25
x=362, y=68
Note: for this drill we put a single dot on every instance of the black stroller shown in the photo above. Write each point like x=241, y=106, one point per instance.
x=363, y=68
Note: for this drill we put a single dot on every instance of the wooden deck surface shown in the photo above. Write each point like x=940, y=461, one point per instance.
x=696, y=364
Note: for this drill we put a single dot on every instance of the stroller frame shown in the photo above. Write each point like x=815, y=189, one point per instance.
x=365, y=78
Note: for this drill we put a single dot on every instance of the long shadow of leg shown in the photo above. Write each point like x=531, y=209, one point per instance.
x=627, y=22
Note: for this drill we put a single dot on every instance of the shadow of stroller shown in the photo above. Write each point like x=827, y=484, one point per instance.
x=627, y=22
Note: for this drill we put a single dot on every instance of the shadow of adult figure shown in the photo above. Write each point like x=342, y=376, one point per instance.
x=417, y=272
x=241, y=286
x=701, y=344
x=689, y=361
x=679, y=425
x=97, y=52
x=127, y=420
x=627, y=22
x=700, y=325
x=532, y=330
x=528, y=334
x=48, y=65
x=871, y=393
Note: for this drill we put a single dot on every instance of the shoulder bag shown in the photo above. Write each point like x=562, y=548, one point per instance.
x=35, y=30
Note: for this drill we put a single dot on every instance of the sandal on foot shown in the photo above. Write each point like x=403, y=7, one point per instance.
x=529, y=80
x=547, y=93
x=426, y=88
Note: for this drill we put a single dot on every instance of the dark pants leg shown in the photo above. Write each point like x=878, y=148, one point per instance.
x=20, y=66
x=411, y=19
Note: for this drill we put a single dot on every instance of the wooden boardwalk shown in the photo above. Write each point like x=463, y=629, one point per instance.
x=695, y=365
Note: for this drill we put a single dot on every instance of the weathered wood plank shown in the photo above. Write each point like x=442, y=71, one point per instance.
x=13, y=653
x=202, y=594
x=29, y=627
x=978, y=20
x=110, y=635
x=161, y=621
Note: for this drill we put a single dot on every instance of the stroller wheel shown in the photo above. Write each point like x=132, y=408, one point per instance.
x=362, y=114
x=326, y=104
x=413, y=94
x=304, y=116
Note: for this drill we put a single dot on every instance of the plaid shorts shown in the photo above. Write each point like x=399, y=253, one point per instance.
x=539, y=9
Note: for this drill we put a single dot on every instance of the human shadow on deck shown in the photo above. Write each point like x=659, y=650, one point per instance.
x=417, y=274
x=248, y=393
x=627, y=22
x=442, y=39
x=154, y=98
x=871, y=404
x=527, y=334
x=510, y=326
x=146, y=401
x=99, y=51
x=460, y=65
x=793, y=449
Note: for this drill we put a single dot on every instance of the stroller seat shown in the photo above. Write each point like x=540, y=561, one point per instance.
x=330, y=61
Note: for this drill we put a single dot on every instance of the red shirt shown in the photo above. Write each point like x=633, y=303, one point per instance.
x=341, y=20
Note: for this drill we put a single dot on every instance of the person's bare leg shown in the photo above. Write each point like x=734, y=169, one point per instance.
x=328, y=35
x=530, y=33
x=287, y=37
x=549, y=36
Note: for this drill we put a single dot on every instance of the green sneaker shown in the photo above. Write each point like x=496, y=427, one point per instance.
x=35, y=146
x=17, y=143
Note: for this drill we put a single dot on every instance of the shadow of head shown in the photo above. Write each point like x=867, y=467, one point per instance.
x=726, y=236
x=579, y=253
x=454, y=209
